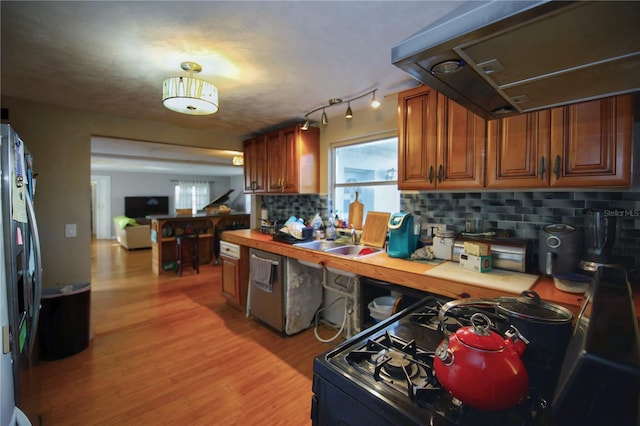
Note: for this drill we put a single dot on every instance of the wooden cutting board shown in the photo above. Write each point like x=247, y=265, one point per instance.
x=356, y=210
x=498, y=279
x=374, y=232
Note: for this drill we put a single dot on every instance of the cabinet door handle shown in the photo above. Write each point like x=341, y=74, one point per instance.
x=430, y=175
x=440, y=173
x=543, y=168
x=556, y=167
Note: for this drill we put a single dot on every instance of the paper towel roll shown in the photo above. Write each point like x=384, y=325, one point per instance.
x=264, y=214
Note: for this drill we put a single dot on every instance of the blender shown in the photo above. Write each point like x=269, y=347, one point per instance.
x=599, y=237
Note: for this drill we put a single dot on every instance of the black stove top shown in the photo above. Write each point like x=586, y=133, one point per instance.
x=388, y=370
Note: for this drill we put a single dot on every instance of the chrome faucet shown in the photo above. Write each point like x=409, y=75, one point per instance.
x=354, y=235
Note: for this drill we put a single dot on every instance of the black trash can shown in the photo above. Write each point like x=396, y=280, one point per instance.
x=64, y=321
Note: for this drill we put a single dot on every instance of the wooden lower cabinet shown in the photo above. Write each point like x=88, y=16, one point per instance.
x=235, y=278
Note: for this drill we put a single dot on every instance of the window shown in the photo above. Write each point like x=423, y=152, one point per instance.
x=191, y=195
x=370, y=169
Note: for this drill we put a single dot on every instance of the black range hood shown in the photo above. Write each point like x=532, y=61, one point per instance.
x=522, y=56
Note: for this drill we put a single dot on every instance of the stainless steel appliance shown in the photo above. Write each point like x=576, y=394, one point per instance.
x=289, y=297
x=498, y=58
x=600, y=228
x=384, y=375
x=21, y=278
x=599, y=383
x=266, y=299
x=559, y=251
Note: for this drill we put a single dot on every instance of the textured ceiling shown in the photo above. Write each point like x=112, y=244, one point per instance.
x=271, y=61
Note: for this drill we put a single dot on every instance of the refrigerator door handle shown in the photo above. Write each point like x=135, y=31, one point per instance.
x=33, y=226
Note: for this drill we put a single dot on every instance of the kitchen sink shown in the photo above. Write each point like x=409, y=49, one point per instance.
x=351, y=250
x=320, y=245
x=341, y=249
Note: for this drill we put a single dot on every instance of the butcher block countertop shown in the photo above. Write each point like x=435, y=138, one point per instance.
x=403, y=272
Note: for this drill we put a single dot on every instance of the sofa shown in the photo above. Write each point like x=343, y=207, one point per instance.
x=131, y=234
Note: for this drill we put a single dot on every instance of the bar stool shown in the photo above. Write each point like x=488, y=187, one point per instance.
x=181, y=241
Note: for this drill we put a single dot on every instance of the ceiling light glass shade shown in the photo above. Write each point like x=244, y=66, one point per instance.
x=238, y=160
x=349, y=114
x=375, y=103
x=325, y=120
x=189, y=95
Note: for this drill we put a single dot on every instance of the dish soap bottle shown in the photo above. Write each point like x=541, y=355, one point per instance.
x=330, y=232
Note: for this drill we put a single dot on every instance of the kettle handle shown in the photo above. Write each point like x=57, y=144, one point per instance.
x=474, y=303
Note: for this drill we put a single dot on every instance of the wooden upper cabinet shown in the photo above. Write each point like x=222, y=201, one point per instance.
x=276, y=160
x=591, y=143
x=255, y=171
x=461, y=146
x=441, y=144
x=290, y=161
x=518, y=151
x=417, y=112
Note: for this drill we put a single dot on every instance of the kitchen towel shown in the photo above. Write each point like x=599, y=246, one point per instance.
x=261, y=273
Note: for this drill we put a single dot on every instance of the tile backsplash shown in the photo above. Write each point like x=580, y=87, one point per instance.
x=521, y=213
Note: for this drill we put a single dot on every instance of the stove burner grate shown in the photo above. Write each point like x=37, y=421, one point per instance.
x=398, y=363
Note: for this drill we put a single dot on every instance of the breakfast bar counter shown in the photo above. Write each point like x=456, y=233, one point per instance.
x=165, y=229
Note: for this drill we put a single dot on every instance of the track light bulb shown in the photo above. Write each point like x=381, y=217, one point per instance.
x=375, y=104
x=349, y=114
x=325, y=120
x=306, y=125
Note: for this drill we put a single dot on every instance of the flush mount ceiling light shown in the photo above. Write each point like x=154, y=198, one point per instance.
x=190, y=95
x=375, y=104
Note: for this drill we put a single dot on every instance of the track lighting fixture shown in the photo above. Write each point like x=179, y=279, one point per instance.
x=324, y=120
x=375, y=104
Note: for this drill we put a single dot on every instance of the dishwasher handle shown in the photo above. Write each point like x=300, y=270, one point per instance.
x=273, y=262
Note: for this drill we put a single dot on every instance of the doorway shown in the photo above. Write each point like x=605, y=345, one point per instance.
x=101, y=207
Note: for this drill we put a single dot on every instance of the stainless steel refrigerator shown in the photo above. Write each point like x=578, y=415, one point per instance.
x=21, y=280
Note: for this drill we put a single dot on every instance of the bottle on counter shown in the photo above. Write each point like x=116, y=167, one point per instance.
x=330, y=232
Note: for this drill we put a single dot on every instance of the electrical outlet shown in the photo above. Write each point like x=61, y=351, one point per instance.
x=70, y=230
x=432, y=228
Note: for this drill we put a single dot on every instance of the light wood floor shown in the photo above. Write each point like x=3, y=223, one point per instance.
x=168, y=350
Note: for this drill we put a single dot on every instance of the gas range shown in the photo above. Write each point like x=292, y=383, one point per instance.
x=384, y=376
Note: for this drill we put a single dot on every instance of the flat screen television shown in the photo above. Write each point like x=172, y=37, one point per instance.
x=137, y=207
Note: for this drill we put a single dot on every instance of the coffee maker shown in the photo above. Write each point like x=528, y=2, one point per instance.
x=600, y=228
x=402, y=238
x=559, y=249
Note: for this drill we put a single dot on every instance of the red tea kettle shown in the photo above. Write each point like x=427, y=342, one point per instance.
x=481, y=368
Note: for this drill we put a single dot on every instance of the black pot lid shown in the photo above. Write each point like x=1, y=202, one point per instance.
x=529, y=306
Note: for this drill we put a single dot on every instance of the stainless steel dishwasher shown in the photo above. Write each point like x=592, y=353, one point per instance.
x=289, y=301
x=266, y=302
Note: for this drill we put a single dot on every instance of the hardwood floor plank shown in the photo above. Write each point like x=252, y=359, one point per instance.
x=169, y=350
